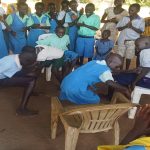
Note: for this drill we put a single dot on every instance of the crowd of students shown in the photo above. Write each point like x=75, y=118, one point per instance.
x=31, y=41
x=72, y=32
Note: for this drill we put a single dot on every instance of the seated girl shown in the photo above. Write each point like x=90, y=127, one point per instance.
x=61, y=41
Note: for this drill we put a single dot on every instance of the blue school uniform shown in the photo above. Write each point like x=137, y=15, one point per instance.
x=72, y=31
x=103, y=47
x=85, y=41
x=35, y=33
x=16, y=43
x=3, y=48
x=136, y=147
x=53, y=22
x=9, y=66
x=74, y=86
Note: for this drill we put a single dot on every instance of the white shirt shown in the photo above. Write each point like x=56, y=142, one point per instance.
x=49, y=53
x=145, y=59
x=3, y=25
x=9, y=65
x=107, y=75
x=2, y=11
x=128, y=33
x=63, y=14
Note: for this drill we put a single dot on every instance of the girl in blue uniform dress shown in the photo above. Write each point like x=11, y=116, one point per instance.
x=52, y=14
x=73, y=14
x=79, y=80
x=103, y=46
x=40, y=24
x=18, y=23
x=3, y=48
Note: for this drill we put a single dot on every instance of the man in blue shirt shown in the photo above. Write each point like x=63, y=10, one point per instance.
x=15, y=70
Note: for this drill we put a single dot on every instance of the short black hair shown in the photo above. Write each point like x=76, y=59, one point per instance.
x=136, y=5
x=39, y=3
x=114, y=55
x=60, y=27
x=28, y=49
x=27, y=58
x=51, y=4
x=91, y=5
x=107, y=31
x=72, y=1
x=21, y=4
x=65, y=2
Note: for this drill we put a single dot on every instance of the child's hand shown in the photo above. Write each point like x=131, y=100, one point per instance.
x=113, y=20
x=24, y=29
x=80, y=24
x=142, y=121
x=36, y=26
x=129, y=25
x=1, y=18
x=127, y=93
x=13, y=33
x=81, y=11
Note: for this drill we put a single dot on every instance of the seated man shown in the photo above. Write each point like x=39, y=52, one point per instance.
x=80, y=85
x=138, y=138
x=139, y=76
x=16, y=70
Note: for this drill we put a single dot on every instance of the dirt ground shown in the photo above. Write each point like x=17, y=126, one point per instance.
x=33, y=133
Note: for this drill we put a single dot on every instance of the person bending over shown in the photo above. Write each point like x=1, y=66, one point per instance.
x=80, y=86
x=18, y=70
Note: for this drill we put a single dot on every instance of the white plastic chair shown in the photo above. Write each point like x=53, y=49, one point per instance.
x=135, y=98
x=48, y=69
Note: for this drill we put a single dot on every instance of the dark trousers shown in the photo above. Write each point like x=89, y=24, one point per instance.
x=21, y=79
x=126, y=79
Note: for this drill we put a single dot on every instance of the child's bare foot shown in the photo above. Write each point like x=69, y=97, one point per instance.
x=26, y=112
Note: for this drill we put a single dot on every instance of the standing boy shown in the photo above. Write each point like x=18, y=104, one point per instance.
x=131, y=27
x=88, y=25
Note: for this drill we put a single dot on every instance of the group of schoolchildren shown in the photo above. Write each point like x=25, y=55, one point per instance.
x=70, y=35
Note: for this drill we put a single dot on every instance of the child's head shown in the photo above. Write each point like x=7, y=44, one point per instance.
x=134, y=9
x=89, y=9
x=106, y=34
x=142, y=43
x=119, y=2
x=52, y=7
x=65, y=5
x=73, y=5
x=114, y=61
x=27, y=57
x=21, y=1
x=60, y=31
x=39, y=7
x=23, y=8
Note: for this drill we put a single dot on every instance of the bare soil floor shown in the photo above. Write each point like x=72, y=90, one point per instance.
x=33, y=133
